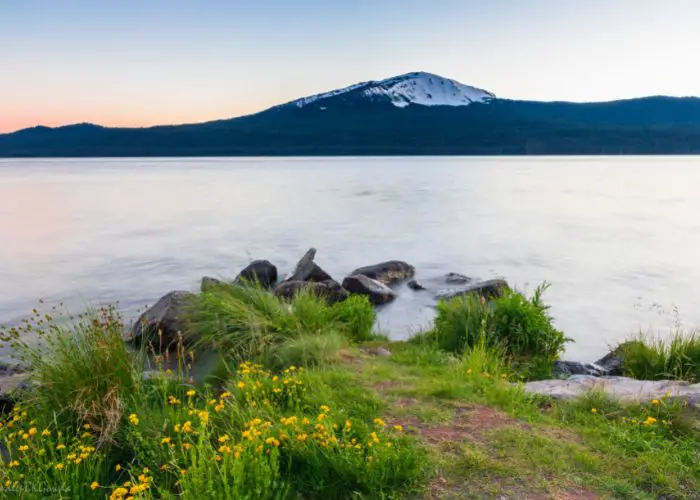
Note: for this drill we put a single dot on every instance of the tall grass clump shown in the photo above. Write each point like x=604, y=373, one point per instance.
x=82, y=372
x=650, y=358
x=520, y=326
x=250, y=323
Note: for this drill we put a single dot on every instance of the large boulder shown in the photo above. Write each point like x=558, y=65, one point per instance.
x=377, y=292
x=164, y=322
x=258, y=271
x=389, y=272
x=490, y=289
x=622, y=388
x=329, y=289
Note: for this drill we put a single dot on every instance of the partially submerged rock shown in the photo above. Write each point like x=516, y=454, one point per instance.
x=608, y=365
x=622, y=388
x=377, y=292
x=565, y=369
x=489, y=289
x=330, y=290
x=457, y=279
x=262, y=272
x=389, y=272
x=307, y=270
x=415, y=285
x=164, y=322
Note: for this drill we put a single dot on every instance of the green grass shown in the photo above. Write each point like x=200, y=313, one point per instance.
x=249, y=323
x=302, y=422
x=676, y=357
x=519, y=326
x=83, y=372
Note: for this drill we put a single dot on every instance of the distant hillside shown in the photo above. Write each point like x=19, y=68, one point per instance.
x=411, y=114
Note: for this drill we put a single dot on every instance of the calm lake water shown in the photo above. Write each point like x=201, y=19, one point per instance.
x=618, y=238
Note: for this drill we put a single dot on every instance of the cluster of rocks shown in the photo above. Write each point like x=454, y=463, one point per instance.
x=374, y=281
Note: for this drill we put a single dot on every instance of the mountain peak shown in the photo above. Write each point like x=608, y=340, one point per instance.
x=415, y=88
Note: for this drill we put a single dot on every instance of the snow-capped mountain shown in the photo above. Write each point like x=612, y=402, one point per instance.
x=418, y=88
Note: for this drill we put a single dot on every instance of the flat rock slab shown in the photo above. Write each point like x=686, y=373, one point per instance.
x=623, y=388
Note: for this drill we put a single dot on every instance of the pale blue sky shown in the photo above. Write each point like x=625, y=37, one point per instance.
x=140, y=62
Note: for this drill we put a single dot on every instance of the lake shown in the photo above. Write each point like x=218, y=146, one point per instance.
x=616, y=237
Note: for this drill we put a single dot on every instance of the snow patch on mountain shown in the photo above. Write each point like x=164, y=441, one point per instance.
x=419, y=88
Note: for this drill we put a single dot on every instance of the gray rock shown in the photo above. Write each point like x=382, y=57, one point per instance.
x=389, y=272
x=612, y=362
x=377, y=292
x=208, y=283
x=564, y=369
x=161, y=324
x=10, y=388
x=415, y=285
x=457, y=279
x=259, y=271
x=304, y=267
x=622, y=388
x=329, y=289
x=317, y=274
x=490, y=289
x=377, y=351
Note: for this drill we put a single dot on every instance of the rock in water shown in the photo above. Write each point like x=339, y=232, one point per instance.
x=490, y=289
x=377, y=292
x=329, y=289
x=208, y=283
x=457, y=279
x=161, y=324
x=260, y=271
x=567, y=368
x=11, y=387
x=415, y=285
x=389, y=272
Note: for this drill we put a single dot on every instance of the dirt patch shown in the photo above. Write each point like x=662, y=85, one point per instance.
x=388, y=385
x=577, y=494
x=470, y=423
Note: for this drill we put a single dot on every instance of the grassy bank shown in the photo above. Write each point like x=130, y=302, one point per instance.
x=300, y=406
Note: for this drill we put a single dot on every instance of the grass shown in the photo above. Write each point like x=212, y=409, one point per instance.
x=676, y=357
x=249, y=323
x=424, y=422
x=519, y=326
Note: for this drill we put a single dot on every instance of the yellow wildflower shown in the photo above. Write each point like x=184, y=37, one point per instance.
x=60, y=466
x=46, y=432
x=86, y=426
x=655, y=402
x=133, y=419
x=274, y=442
x=398, y=428
x=380, y=422
x=60, y=446
x=187, y=427
x=165, y=440
x=23, y=448
x=649, y=421
x=225, y=395
x=219, y=407
x=594, y=410
x=204, y=416
x=240, y=385
x=71, y=456
x=117, y=467
x=224, y=438
x=321, y=416
x=302, y=437
x=33, y=431
x=325, y=409
x=224, y=449
x=94, y=485
x=191, y=393
x=186, y=446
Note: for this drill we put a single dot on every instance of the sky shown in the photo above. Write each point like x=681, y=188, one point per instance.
x=146, y=62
